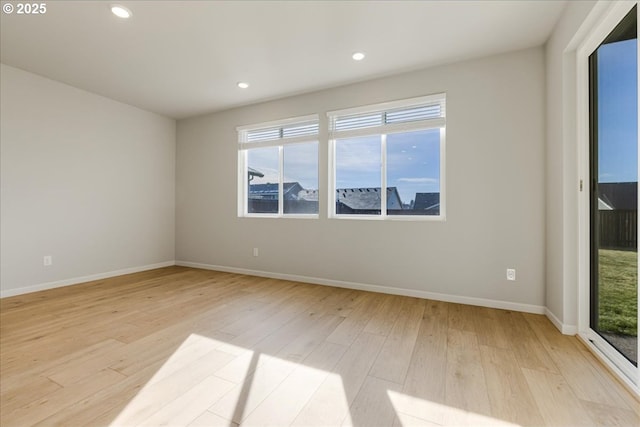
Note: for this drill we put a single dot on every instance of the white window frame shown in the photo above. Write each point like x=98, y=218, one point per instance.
x=244, y=145
x=384, y=130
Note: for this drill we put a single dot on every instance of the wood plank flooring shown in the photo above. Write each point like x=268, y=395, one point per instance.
x=188, y=347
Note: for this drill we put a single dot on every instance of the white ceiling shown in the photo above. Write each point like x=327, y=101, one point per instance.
x=183, y=58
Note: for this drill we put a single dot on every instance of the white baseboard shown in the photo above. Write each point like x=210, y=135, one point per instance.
x=505, y=305
x=565, y=329
x=76, y=280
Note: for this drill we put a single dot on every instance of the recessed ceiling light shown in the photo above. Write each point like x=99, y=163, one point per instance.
x=243, y=85
x=120, y=11
x=358, y=56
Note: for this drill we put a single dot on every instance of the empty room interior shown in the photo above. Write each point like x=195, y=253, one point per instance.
x=319, y=213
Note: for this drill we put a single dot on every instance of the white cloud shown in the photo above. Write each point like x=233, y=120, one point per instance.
x=419, y=180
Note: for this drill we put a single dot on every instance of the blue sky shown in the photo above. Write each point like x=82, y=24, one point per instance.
x=413, y=163
x=618, y=111
x=300, y=164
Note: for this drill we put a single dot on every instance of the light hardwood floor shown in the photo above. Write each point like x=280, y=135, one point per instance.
x=181, y=346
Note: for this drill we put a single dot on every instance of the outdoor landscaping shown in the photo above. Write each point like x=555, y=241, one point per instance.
x=618, y=309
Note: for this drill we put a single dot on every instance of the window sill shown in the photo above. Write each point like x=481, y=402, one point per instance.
x=277, y=216
x=402, y=218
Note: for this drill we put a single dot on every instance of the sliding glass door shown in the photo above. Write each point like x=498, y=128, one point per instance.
x=613, y=105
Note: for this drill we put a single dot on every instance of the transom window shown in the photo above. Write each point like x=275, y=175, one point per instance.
x=278, y=164
x=387, y=160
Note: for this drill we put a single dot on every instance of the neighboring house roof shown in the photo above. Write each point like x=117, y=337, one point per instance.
x=619, y=195
x=427, y=201
x=290, y=190
x=309, y=195
x=368, y=198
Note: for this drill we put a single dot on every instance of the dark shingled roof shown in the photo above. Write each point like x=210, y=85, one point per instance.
x=290, y=190
x=367, y=198
x=310, y=195
x=426, y=201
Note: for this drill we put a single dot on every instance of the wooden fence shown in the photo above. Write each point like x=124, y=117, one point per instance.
x=619, y=229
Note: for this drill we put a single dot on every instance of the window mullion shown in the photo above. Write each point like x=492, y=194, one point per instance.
x=243, y=182
x=281, y=180
x=443, y=164
x=383, y=174
x=332, y=179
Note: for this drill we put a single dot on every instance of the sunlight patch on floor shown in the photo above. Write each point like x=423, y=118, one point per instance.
x=328, y=407
x=185, y=381
x=415, y=411
x=207, y=377
x=288, y=400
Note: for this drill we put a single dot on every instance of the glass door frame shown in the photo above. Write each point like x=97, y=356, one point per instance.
x=609, y=19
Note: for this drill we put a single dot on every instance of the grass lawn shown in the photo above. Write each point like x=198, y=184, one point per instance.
x=619, y=292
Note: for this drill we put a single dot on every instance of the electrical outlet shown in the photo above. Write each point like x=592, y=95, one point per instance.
x=255, y=252
x=511, y=274
x=48, y=260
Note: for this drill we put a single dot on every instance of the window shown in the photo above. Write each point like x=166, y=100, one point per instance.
x=278, y=164
x=386, y=160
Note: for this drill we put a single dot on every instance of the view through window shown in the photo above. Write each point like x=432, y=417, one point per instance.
x=279, y=164
x=387, y=161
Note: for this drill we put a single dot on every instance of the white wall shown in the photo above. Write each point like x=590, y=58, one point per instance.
x=562, y=163
x=494, y=183
x=85, y=179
